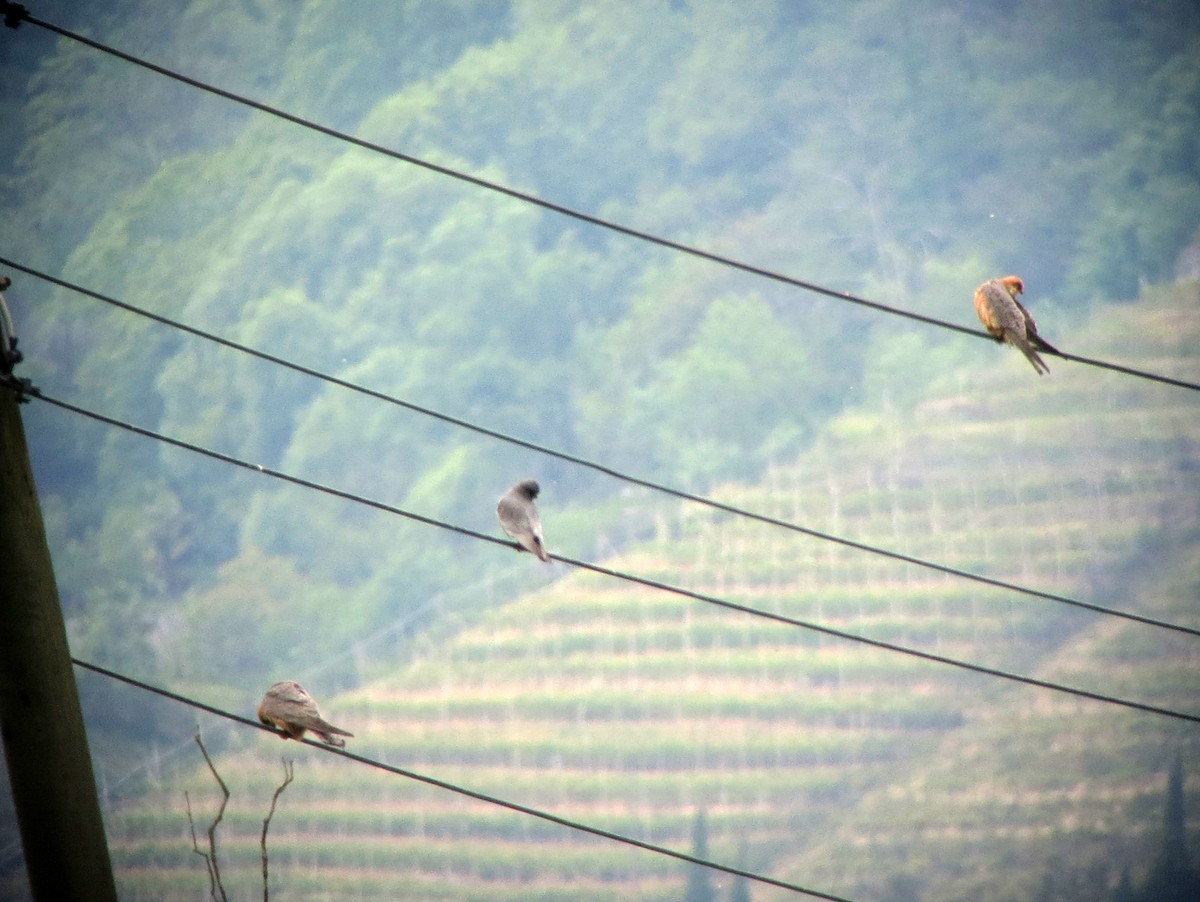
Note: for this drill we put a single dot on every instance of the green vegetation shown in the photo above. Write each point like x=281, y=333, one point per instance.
x=846, y=769
x=833, y=151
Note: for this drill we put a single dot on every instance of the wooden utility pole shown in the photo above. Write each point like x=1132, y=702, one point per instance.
x=49, y=769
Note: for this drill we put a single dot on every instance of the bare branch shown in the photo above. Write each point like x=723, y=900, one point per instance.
x=289, y=773
x=212, y=884
x=212, y=830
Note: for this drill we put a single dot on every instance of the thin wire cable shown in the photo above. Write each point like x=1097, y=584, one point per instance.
x=570, y=212
x=627, y=577
x=600, y=468
x=463, y=791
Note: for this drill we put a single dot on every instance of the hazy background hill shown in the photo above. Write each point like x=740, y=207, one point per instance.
x=846, y=769
x=903, y=151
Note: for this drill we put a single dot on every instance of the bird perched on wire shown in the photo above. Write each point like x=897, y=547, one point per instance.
x=1007, y=320
x=519, y=517
x=290, y=709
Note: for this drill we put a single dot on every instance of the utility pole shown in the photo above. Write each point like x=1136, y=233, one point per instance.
x=41, y=722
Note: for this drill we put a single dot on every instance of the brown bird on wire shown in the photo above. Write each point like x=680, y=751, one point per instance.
x=290, y=709
x=519, y=518
x=1007, y=320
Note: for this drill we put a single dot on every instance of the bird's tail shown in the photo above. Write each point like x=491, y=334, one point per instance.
x=1032, y=355
x=1042, y=345
x=329, y=735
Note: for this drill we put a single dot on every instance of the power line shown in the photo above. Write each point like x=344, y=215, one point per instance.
x=600, y=468
x=469, y=793
x=627, y=577
x=570, y=212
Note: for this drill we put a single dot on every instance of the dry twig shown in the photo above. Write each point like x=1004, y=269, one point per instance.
x=289, y=772
x=208, y=862
x=211, y=857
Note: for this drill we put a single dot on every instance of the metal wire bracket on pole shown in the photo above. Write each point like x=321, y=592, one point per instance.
x=14, y=13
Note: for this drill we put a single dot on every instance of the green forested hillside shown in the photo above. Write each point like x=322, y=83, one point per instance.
x=847, y=769
x=906, y=151
x=903, y=151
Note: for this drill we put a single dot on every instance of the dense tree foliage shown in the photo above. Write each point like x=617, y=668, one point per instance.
x=699, y=883
x=1171, y=877
x=905, y=150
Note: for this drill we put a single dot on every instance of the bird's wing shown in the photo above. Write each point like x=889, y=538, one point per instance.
x=515, y=515
x=1031, y=331
x=519, y=518
x=505, y=507
x=1003, y=311
x=290, y=702
x=539, y=544
x=1031, y=355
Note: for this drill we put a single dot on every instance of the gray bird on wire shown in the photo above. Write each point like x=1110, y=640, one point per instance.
x=290, y=709
x=519, y=518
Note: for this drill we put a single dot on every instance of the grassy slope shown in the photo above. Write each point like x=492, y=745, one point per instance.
x=827, y=763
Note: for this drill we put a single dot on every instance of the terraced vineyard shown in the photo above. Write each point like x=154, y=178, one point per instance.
x=829, y=763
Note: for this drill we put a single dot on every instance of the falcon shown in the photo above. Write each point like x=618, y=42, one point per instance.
x=519, y=518
x=1007, y=320
x=290, y=709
